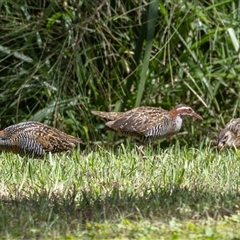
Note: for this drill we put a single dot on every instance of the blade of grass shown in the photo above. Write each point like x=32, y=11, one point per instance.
x=151, y=24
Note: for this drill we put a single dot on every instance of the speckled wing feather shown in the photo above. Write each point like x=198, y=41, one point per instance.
x=54, y=140
x=143, y=123
x=234, y=126
x=51, y=139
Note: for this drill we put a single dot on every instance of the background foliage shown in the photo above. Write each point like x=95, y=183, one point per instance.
x=60, y=59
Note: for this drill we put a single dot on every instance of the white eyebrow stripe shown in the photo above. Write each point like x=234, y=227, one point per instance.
x=184, y=107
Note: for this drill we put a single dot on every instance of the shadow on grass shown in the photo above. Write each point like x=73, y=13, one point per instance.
x=83, y=206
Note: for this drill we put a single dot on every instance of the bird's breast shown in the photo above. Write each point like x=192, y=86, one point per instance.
x=167, y=128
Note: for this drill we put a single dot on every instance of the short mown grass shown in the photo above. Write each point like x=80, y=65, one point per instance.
x=174, y=193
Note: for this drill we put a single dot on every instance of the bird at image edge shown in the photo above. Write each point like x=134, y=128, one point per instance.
x=33, y=139
x=230, y=135
x=147, y=124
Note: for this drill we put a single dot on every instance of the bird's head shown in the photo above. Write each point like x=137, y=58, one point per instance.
x=183, y=110
x=226, y=138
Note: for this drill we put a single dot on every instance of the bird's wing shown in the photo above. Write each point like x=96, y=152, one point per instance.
x=234, y=126
x=52, y=139
x=141, y=121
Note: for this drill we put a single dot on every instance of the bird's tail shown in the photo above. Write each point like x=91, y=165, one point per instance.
x=107, y=116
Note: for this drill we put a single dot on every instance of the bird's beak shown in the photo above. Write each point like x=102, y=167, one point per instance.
x=220, y=145
x=195, y=115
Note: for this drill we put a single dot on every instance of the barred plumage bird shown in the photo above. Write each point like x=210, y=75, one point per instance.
x=33, y=139
x=230, y=135
x=147, y=124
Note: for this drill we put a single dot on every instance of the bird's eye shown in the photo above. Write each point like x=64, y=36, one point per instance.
x=225, y=139
x=189, y=110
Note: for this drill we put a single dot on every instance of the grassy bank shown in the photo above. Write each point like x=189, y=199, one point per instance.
x=174, y=193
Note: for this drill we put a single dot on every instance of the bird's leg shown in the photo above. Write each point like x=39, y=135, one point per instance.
x=140, y=151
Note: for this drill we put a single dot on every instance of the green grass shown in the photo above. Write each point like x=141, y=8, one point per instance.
x=175, y=193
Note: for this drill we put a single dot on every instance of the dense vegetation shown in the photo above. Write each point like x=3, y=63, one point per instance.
x=59, y=59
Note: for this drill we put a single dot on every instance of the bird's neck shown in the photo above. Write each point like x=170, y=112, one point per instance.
x=178, y=122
